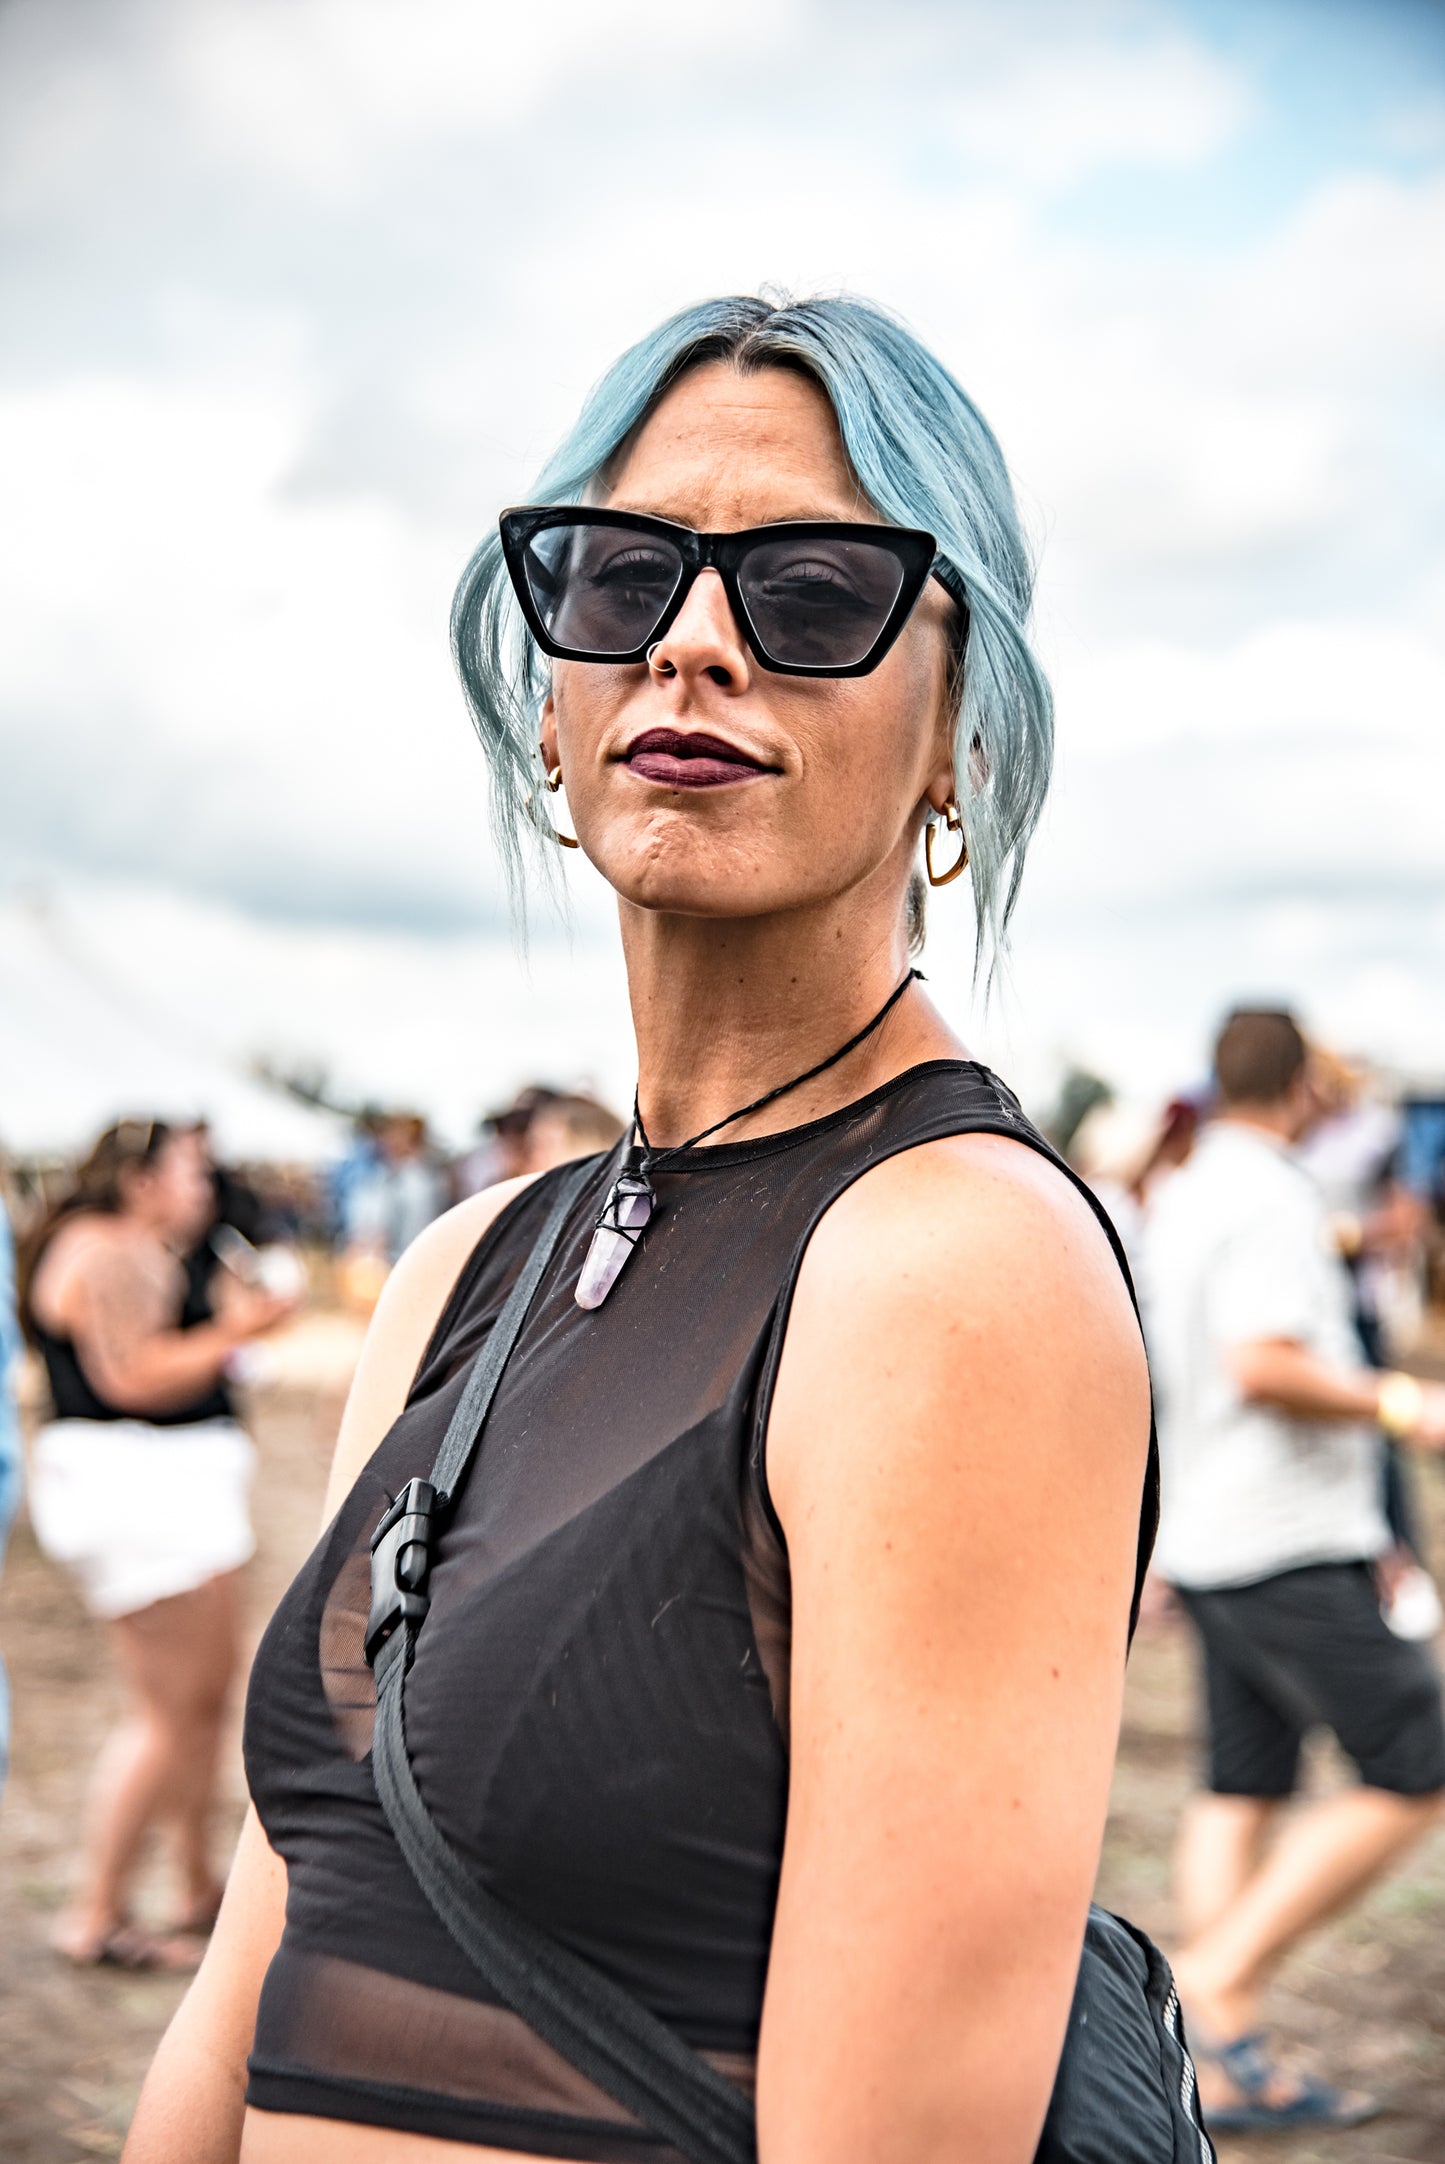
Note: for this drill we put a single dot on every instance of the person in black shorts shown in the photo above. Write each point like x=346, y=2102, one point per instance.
x=1309, y=1649
x=1272, y=1527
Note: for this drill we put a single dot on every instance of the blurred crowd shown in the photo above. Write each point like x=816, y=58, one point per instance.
x=1284, y=1234
x=1374, y=1156
x=1290, y=1212
x=143, y=1278
x=1377, y=1154
x=361, y=1211
x=393, y=1181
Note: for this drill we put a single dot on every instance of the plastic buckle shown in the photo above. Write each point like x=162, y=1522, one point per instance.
x=401, y=1564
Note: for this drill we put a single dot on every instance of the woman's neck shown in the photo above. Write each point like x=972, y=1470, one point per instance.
x=726, y=1009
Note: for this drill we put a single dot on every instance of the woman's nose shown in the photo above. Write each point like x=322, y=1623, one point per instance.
x=704, y=639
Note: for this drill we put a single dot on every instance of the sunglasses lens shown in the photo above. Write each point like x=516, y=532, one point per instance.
x=601, y=589
x=822, y=603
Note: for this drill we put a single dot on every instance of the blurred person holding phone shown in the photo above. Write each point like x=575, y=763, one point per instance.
x=139, y=1487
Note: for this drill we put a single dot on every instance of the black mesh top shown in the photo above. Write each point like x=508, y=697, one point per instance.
x=598, y=1713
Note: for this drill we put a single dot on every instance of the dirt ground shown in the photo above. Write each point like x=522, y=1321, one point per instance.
x=1363, y=2002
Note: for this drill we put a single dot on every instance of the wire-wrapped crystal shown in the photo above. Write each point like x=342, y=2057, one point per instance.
x=630, y=1203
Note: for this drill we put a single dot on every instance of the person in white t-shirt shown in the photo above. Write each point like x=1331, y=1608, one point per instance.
x=1271, y=1525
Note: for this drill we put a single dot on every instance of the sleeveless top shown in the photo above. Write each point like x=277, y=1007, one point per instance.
x=598, y=1712
x=75, y=1397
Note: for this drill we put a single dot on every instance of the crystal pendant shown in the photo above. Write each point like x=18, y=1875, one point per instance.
x=629, y=1205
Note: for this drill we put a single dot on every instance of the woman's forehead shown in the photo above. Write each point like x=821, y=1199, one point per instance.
x=726, y=449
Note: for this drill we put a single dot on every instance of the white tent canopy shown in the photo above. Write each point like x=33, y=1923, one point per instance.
x=78, y=1051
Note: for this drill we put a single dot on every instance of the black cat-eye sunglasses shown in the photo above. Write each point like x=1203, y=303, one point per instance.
x=812, y=597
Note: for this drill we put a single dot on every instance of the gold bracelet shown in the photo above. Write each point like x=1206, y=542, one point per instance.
x=1400, y=1404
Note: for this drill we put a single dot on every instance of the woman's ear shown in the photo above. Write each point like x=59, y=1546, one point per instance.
x=942, y=786
x=941, y=790
x=551, y=757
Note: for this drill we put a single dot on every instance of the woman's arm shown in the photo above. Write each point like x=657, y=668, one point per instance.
x=193, y=2101
x=192, y=2104
x=1282, y=1373
x=122, y=1325
x=956, y=1450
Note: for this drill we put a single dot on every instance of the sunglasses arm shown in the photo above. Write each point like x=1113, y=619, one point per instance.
x=948, y=578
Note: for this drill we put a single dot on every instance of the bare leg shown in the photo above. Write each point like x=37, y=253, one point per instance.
x=1220, y=1838
x=129, y=1778
x=1327, y=1854
x=169, y=1655
x=218, y=1633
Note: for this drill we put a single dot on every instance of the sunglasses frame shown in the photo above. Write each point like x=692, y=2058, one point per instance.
x=915, y=551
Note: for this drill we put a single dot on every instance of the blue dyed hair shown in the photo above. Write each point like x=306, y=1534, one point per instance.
x=923, y=456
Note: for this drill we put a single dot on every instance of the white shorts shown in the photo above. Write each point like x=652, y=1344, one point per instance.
x=137, y=1513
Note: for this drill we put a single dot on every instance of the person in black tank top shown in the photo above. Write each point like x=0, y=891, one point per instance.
x=73, y=1396
x=775, y=1646
x=139, y=1487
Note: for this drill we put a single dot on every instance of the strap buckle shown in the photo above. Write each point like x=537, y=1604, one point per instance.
x=401, y=1565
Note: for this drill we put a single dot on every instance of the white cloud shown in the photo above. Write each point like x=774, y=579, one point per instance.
x=251, y=692
x=316, y=89
x=1359, y=685
x=307, y=289
x=451, y=1025
x=1066, y=106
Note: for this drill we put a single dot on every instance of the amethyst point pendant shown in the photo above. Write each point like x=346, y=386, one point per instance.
x=629, y=1205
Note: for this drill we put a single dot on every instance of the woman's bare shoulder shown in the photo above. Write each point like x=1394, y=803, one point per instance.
x=401, y=1328
x=964, y=1271
x=979, y=1215
x=76, y=1240
x=95, y=1253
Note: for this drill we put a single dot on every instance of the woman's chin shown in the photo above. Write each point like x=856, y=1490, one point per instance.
x=694, y=874
x=676, y=890
x=664, y=894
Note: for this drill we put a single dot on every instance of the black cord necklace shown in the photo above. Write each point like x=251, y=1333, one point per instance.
x=632, y=1200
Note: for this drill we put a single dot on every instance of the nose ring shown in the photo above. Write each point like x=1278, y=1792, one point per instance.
x=664, y=668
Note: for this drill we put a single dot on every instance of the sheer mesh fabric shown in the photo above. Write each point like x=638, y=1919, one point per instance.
x=597, y=1715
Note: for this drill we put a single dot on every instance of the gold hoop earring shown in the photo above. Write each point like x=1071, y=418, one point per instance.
x=952, y=818
x=552, y=782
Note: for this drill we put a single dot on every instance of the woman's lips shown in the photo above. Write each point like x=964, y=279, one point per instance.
x=684, y=760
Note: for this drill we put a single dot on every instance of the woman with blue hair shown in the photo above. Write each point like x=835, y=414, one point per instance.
x=693, y=1501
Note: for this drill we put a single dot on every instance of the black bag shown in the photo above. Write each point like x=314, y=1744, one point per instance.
x=1125, y=2090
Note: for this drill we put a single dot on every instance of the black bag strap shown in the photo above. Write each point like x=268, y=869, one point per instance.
x=598, y=2028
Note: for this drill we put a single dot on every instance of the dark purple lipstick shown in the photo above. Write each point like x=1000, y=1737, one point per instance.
x=679, y=759
x=691, y=760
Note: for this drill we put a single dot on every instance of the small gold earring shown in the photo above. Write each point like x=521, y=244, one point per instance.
x=552, y=783
x=952, y=818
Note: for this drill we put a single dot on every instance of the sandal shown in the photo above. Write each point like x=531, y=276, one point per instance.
x=129, y=1946
x=1312, y=2103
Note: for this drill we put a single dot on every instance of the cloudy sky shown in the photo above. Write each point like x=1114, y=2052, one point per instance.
x=296, y=293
